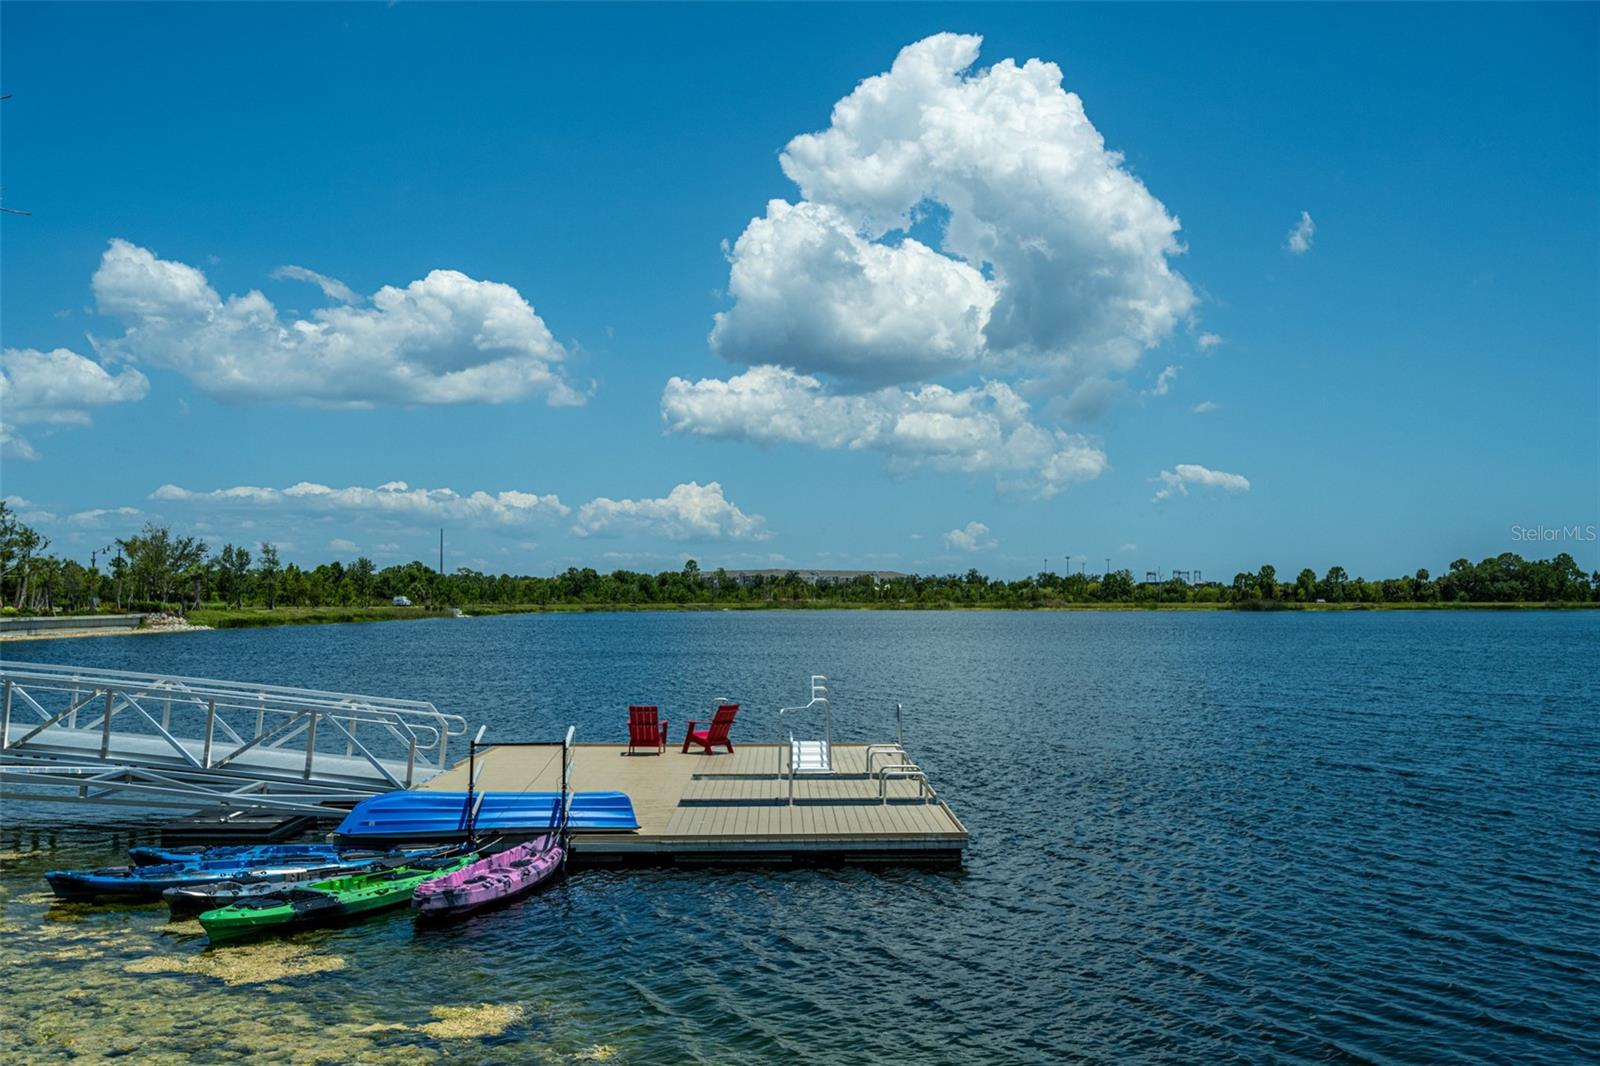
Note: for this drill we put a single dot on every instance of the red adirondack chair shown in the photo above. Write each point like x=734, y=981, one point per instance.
x=644, y=731
x=714, y=735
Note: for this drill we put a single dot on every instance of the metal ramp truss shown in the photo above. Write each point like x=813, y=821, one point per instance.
x=157, y=740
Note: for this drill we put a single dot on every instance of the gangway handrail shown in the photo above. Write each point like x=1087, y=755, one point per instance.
x=406, y=720
x=52, y=672
x=231, y=739
x=198, y=690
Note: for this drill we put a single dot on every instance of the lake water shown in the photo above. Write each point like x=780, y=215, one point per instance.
x=1195, y=837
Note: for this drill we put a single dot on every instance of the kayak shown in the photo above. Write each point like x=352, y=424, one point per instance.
x=186, y=901
x=137, y=883
x=254, y=854
x=490, y=881
x=325, y=902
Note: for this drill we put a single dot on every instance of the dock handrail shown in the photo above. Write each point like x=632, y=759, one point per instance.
x=903, y=771
x=874, y=750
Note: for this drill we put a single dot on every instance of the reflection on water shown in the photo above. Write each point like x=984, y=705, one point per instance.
x=1273, y=837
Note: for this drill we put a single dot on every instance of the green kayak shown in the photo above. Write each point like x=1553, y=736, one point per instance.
x=326, y=902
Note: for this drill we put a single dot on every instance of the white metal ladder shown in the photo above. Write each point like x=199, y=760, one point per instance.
x=810, y=757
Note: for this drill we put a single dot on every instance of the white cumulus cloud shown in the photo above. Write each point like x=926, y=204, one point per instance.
x=982, y=428
x=1301, y=237
x=1207, y=341
x=1206, y=407
x=812, y=293
x=444, y=339
x=691, y=511
x=57, y=387
x=1077, y=247
x=1178, y=480
x=393, y=499
x=952, y=222
x=973, y=538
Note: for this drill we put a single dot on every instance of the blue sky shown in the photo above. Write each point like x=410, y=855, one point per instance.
x=946, y=345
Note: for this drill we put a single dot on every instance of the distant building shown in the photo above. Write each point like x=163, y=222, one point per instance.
x=813, y=577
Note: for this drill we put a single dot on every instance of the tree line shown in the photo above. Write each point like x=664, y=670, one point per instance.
x=157, y=569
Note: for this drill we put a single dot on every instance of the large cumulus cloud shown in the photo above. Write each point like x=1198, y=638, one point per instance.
x=443, y=339
x=952, y=224
x=1076, y=248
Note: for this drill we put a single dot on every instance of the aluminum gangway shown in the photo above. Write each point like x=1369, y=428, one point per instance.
x=159, y=740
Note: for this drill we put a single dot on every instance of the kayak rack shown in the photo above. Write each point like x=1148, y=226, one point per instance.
x=561, y=812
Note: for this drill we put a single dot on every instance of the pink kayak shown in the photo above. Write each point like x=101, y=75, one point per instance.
x=488, y=881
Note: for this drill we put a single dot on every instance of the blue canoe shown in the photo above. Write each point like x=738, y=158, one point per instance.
x=442, y=816
x=135, y=883
x=254, y=854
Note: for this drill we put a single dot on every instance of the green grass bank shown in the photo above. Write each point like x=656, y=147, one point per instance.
x=249, y=617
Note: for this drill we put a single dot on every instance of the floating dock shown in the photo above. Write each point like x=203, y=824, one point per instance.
x=245, y=759
x=737, y=808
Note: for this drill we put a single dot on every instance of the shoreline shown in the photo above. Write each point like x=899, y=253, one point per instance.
x=208, y=619
x=101, y=631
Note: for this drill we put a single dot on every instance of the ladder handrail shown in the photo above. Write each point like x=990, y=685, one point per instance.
x=819, y=694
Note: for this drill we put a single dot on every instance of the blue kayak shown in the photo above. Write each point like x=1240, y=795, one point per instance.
x=253, y=854
x=136, y=883
x=442, y=816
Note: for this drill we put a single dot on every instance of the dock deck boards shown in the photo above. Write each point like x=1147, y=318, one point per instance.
x=733, y=807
